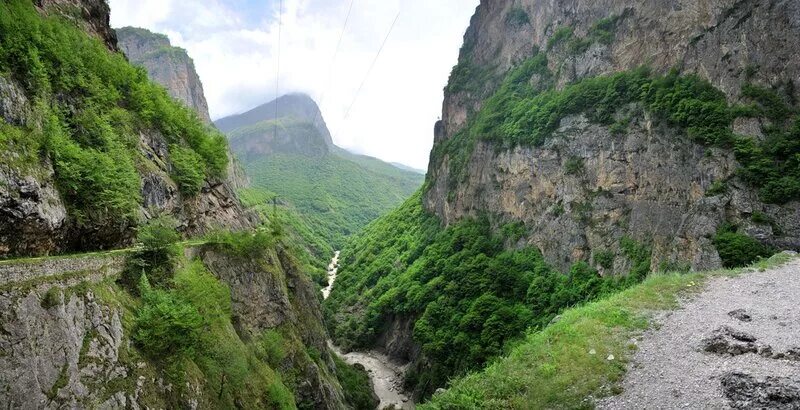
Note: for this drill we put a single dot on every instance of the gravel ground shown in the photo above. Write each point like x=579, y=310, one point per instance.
x=753, y=363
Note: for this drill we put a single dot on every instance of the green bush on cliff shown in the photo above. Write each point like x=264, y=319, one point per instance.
x=356, y=385
x=90, y=107
x=187, y=330
x=156, y=256
x=166, y=325
x=737, y=249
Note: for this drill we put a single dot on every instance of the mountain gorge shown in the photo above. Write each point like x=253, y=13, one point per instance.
x=582, y=146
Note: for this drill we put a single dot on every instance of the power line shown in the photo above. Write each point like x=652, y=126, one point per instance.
x=374, y=60
x=333, y=62
x=278, y=72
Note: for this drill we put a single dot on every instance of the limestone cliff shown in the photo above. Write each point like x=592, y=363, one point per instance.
x=167, y=65
x=590, y=185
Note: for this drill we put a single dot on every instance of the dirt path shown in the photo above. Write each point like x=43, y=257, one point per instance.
x=386, y=376
x=736, y=345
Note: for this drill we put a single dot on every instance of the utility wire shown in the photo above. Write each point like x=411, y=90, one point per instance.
x=391, y=28
x=278, y=72
x=333, y=62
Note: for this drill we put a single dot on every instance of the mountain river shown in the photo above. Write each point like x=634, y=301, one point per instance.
x=386, y=375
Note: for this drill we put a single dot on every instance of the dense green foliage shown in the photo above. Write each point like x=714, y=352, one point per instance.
x=89, y=107
x=554, y=367
x=736, y=249
x=186, y=328
x=521, y=113
x=356, y=385
x=468, y=295
x=335, y=196
x=311, y=250
x=155, y=257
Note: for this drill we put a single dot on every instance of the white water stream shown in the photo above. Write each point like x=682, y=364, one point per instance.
x=386, y=376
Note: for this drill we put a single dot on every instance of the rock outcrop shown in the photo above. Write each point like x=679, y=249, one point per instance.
x=648, y=183
x=167, y=65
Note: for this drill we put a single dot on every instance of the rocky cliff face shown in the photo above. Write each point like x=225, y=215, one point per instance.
x=650, y=182
x=93, y=15
x=167, y=65
x=66, y=339
x=35, y=217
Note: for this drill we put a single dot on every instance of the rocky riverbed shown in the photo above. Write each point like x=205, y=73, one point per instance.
x=385, y=374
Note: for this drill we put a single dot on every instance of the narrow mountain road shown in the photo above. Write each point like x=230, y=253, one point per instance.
x=735, y=345
x=386, y=375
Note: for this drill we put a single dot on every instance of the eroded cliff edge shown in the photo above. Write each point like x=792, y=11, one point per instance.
x=588, y=185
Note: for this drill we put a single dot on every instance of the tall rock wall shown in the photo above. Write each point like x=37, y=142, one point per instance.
x=649, y=183
x=167, y=65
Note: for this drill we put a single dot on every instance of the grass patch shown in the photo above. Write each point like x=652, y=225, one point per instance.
x=553, y=368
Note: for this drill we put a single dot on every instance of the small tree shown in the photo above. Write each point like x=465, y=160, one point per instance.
x=155, y=258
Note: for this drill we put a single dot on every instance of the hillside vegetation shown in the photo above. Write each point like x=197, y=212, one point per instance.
x=88, y=108
x=334, y=192
x=468, y=292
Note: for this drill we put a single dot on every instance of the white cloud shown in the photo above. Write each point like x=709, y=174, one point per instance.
x=234, y=46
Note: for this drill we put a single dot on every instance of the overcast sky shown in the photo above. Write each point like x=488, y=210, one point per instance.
x=234, y=46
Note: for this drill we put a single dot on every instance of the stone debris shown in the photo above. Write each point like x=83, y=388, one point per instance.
x=746, y=392
x=740, y=314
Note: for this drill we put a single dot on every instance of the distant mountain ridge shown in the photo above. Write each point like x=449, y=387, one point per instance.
x=336, y=192
x=296, y=105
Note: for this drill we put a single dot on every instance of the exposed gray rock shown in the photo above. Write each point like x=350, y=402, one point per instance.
x=746, y=392
x=14, y=106
x=167, y=65
x=648, y=184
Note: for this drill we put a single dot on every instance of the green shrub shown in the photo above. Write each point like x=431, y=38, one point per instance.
x=737, y=249
x=356, y=385
x=760, y=218
x=640, y=256
x=573, y=166
x=51, y=298
x=245, y=244
x=155, y=258
x=271, y=348
x=604, y=259
x=166, y=325
x=159, y=233
x=187, y=168
x=561, y=35
x=517, y=17
x=717, y=188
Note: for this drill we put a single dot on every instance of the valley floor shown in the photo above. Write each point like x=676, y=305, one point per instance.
x=736, y=344
x=385, y=375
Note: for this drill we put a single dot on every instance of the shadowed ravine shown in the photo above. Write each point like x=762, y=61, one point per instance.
x=386, y=376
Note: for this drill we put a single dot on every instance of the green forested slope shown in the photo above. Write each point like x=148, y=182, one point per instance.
x=88, y=107
x=467, y=289
x=334, y=192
